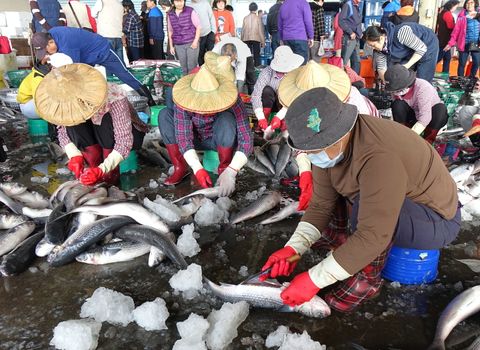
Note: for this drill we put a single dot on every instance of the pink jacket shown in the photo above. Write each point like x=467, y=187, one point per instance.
x=457, y=38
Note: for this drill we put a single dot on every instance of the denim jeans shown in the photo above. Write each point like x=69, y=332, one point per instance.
x=114, y=65
x=351, y=52
x=462, y=61
x=300, y=47
x=117, y=46
x=275, y=42
x=446, y=56
x=134, y=53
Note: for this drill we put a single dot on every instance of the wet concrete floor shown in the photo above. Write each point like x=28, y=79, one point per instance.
x=33, y=303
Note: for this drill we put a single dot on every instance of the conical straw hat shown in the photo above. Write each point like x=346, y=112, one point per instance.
x=204, y=93
x=71, y=94
x=219, y=65
x=310, y=76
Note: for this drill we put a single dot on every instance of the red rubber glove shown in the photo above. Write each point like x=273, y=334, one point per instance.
x=306, y=188
x=263, y=124
x=275, y=123
x=91, y=176
x=75, y=164
x=300, y=290
x=203, y=178
x=279, y=264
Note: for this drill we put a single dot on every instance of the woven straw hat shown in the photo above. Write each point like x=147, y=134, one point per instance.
x=204, y=93
x=71, y=94
x=219, y=65
x=313, y=75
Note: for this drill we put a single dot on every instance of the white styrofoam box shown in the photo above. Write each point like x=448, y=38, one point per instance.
x=3, y=20
x=24, y=61
x=12, y=32
x=18, y=19
x=8, y=62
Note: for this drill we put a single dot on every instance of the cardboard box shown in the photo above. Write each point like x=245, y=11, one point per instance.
x=21, y=45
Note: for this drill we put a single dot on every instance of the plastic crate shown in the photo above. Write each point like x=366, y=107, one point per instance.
x=9, y=98
x=16, y=77
x=138, y=102
x=441, y=75
x=37, y=127
x=170, y=73
x=130, y=163
x=155, y=111
x=210, y=161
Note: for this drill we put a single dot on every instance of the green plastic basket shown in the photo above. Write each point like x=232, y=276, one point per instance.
x=155, y=111
x=441, y=75
x=37, y=127
x=210, y=161
x=170, y=73
x=16, y=77
x=146, y=75
x=130, y=163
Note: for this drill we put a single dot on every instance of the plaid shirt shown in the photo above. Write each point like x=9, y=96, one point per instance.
x=122, y=120
x=190, y=125
x=268, y=77
x=318, y=17
x=133, y=29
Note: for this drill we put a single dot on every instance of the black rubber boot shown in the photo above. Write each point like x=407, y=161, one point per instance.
x=3, y=151
x=143, y=91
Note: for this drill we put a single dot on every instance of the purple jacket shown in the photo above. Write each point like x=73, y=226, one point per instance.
x=295, y=20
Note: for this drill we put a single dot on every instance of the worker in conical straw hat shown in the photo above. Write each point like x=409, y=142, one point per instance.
x=265, y=93
x=310, y=76
x=97, y=126
x=401, y=193
x=209, y=115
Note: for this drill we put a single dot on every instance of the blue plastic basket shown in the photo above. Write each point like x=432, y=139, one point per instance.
x=411, y=266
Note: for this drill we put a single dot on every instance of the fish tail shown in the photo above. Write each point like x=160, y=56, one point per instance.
x=437, y=344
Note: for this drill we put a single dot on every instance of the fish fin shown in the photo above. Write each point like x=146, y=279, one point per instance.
x=285, y=308
x=437, y=345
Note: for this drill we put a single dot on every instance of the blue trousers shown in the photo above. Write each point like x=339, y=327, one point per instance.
x=462, y=61
x=446, y=56
x=427, y=64
x=117, y=46
x=300, y=47
x=351, y=52
x=224, y=131
x=114, y=65
x=134, y=53
x=418, y=226
x=275, y=42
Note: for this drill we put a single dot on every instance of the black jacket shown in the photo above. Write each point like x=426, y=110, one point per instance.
x=272, y=18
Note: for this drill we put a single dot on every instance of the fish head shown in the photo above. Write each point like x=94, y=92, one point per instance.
x=316, y=308
x=86, y=257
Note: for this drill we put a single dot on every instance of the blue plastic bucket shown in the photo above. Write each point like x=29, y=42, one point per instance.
x=411, y=266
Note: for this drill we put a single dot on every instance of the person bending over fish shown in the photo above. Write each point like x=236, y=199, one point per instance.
x=310, y=76
x=96, y=123
x=207, y=114
x=394, y=182
x=85, y=47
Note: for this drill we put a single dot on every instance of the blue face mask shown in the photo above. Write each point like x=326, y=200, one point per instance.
x=322, y=160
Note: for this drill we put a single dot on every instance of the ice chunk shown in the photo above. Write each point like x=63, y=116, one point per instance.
x=210, y=214
x=194, y=327
x=243, y=271
x=277, y=337
x=152, y=315
x=188, y=281
x=40, y=180
x=152, y=184
x=224, y=203
x=76, y=335
x=188, y=344
x=108, y=305
x=224, y=324
x=164, y=209
x=187, y=244
x=302, y=341
x=63, y=171
x=395, y=284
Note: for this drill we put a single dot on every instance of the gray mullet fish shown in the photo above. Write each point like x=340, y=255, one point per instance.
x=113, y=253
x=19, y=259
x=14, y=236
x=260, y=206
x=285, y=212
x=461, y=307
x=84, y=237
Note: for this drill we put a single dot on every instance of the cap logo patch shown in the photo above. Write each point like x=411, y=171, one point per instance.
x=314, y=120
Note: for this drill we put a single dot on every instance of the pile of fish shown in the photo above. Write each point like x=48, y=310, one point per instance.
x=82, y=223
x=274, y=158
x=467, y=178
